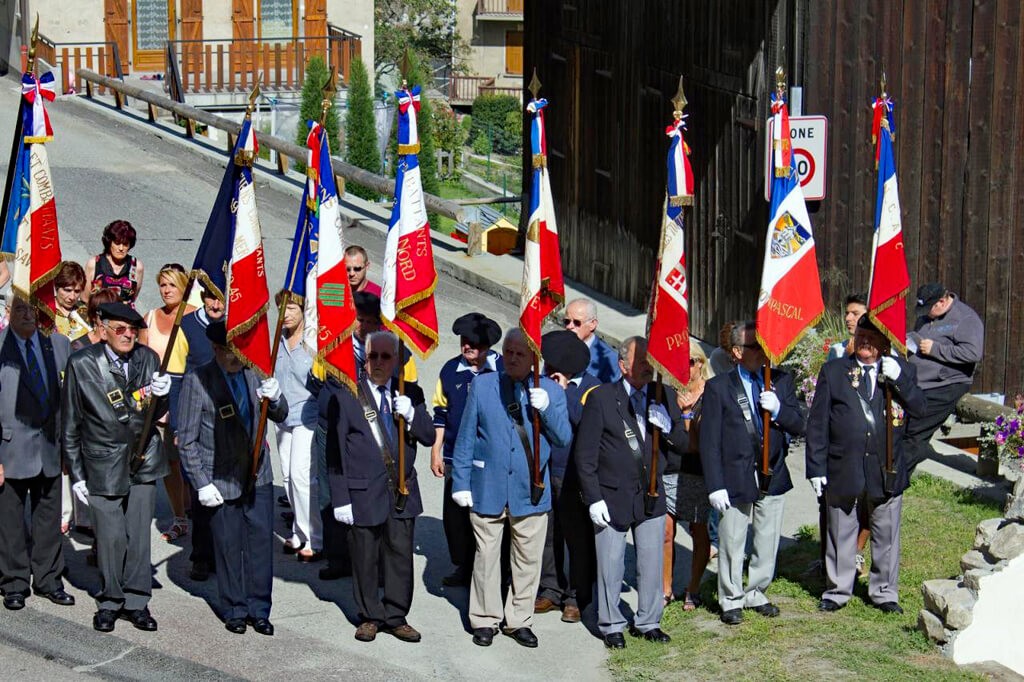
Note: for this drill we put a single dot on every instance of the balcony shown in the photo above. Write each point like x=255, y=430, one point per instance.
x=462, y=90
x=499, y=10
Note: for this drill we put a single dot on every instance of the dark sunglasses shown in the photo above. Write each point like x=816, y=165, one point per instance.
x=355, y=268
x=374, y=355
x=121, y=331
x=566, y=321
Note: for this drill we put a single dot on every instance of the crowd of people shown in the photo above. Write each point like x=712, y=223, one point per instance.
x=91, y=423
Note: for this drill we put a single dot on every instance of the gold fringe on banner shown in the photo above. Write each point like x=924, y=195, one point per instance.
x=681, y=200
x=540, y=161
x=404, y=149
x=777, y=359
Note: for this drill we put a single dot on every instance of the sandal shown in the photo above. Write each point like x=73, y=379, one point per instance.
x=669, y=598
x=691, y=602
x=178, y=529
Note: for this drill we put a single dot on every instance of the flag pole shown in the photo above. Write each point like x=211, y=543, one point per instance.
x=403, y=490
x=651, y=499
x=537, y=489
x=766, y=421
x=17, y=142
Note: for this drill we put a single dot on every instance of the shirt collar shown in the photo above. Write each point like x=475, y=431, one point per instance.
x=747, y=375
x=590, y=340
x=629, y=388
x=375, y=388
x=490, y=366
x=112, y=355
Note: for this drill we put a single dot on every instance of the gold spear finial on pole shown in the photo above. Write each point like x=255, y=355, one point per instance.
x=253, y=96
x=534, y=86
x=882, y=82
x=32, y=46
x=679, y=101
x=780, y=80
x=328, y=92
x=404, y=67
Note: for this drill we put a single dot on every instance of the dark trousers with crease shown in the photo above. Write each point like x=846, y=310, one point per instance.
x=578, y=531
x=941, y=403
x=335, y=540
x=123, y=551
x=46, y=562
x=243, y=540
x=202, y=536
x=554, y=580
x=389, y=545
x=458, y=531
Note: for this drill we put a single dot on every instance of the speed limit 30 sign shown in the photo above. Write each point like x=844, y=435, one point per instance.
x=809, y=135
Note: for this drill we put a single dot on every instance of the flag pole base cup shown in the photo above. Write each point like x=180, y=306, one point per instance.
x=400, y=499
x=890, y=482
x=536, y=493
x=649, y=502
x=764, y=482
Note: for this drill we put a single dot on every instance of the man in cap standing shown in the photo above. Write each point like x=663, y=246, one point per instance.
x=108, y=388
x=477, y=333
x=947, y=343
x=220, y=407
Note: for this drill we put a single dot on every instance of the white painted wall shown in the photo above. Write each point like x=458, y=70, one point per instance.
x=60, y=25
x=994, y=632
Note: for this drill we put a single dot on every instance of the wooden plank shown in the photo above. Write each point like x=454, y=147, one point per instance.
x=932, y=147
x=909, y=74
x=1014, y=379
x=66, y=71
x=277, y=65
x=220, y=67
x=208, y=67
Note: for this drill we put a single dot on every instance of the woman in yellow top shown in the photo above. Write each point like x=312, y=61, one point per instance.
x=172, y=281
x=67, y=289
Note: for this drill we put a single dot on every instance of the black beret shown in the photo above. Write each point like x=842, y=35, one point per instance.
x=866, y=324
x=366, y=303
x=217, y=332
x=123, y=312
x=478, y=329
x=564, y=352
x=928, y=295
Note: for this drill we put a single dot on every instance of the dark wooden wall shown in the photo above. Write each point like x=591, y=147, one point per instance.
x=610, y=67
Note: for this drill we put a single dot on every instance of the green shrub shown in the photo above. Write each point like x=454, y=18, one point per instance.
x=490, y=119
x=361, y=129
x=311, y=107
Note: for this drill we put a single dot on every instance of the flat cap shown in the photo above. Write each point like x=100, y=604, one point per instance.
x=217, y=332
x=928, y=295
x=564, y=352
x=123, y=312
x=478, y=329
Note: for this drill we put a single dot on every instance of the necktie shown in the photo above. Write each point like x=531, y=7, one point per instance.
x=241, y=396
x=35, y=372
x=756, y=386
x=385, y=412
x=869, y=380
x=636, y=401
x=121, y=365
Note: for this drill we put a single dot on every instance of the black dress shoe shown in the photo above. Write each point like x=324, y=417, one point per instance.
x=523, y=636
x=14, y=601
x=140, y=618
x=829, y=606
x=484, y=636
x=732, y=616
x=615, y=640
x=889, y=607
x=200, y=571
x=653, y=635
x=235, y=625
x=58, y=597
x=262, y=626
x=768, y=610
x=289, y=548
x=283, y=501
x=334, y=572
x=104, y=620
x=459, y=578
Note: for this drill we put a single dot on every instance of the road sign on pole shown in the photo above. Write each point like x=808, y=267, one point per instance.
x=809, y=135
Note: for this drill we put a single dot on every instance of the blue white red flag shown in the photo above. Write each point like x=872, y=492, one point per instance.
x=543, y=288
x=230, y=260
x=890, y=278
x=407, y=293
x=316, y=271
x=31, y=239
x=668, y=320
x=789, y=302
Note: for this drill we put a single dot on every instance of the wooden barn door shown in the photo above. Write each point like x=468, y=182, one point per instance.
x=152, y=27
x=115, y=25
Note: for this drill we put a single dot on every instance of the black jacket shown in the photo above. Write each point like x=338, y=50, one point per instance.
x=727, y=452
x=840, y=443
x=605, y=463
x=98, y=448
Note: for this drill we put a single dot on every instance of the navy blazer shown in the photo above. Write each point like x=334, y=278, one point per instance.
x=727, y=452
x=840, y=443
x=604, y=362
x=605, y=463
x=355, y=468
x=562, y=464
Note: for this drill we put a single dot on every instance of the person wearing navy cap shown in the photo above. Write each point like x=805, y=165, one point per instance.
x=108, y=389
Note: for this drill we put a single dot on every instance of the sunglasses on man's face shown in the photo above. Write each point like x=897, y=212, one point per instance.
x=568, y=321
x=120, y=330
x=374, y=355
x=355, y=268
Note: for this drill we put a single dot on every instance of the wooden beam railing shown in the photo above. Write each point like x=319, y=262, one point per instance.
x=285, y=149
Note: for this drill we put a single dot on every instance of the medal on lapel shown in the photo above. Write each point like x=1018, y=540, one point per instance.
x=855, y=376
x=141, y=398
x=898, y=413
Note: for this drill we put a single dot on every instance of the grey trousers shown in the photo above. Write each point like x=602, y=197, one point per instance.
x=649, y=538
x=841, y=548
x=122, y=528
x=527, y=552
x=766, y=517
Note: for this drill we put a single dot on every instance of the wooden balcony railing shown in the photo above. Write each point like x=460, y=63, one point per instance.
x=465, y=89
x=494, y=90
x=101, y=57
x=499, y=7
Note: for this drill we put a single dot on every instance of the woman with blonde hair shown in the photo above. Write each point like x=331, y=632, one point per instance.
x=685, y=492
x=172, y=280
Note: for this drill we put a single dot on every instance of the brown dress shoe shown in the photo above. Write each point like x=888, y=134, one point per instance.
x=404, y=632
x=571, y=614
x=543, y=605
x=366, y=632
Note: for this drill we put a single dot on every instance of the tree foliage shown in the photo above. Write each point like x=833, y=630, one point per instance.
x=497, y=124
x=361, y=129
x=311, y=107
x=426, y=27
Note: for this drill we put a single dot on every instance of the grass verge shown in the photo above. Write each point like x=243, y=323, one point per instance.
x=857, y=642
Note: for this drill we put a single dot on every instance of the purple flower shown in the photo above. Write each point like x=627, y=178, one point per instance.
x=1000, y=438
x=1000, y=421
x=1020, y=451
x=1014, y=425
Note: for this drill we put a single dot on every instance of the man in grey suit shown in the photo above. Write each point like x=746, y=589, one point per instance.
x=108, y=388
x=31, y=366
x=218, y=412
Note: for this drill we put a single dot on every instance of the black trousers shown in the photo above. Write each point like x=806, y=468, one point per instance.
x=578, y=532
x=335, y=540
x=243, y=539
x=47, y=560
x=554, y=579
x=941, y=403
x=387, y=546
x=458, y=531
x=202, y=536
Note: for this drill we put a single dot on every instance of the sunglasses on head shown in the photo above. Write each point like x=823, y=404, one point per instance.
x=177, y=267
x=374, y=355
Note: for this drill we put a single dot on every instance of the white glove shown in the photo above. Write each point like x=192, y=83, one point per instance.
x=599, y=514
x=463, y=498
x=161, y=384
x=770, y=402
x=404, y=408
x=539, y=399
x=81, y=492
x=344, y=515
x=891, y=369
x=818, y=484
x=209, y=496
x=658, y=416
x=719, y=500
x=269, y=389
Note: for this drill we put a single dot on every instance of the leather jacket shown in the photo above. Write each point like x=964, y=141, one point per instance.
x=103, y=416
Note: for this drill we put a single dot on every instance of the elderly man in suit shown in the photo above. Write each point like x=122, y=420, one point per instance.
x=731, y=437
x=31, y=368
x=614, y=457
x=846, y=458
x=219, y=411
x=581, y=319
x=363, y=474
x=108, y=388
x=492, y=476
